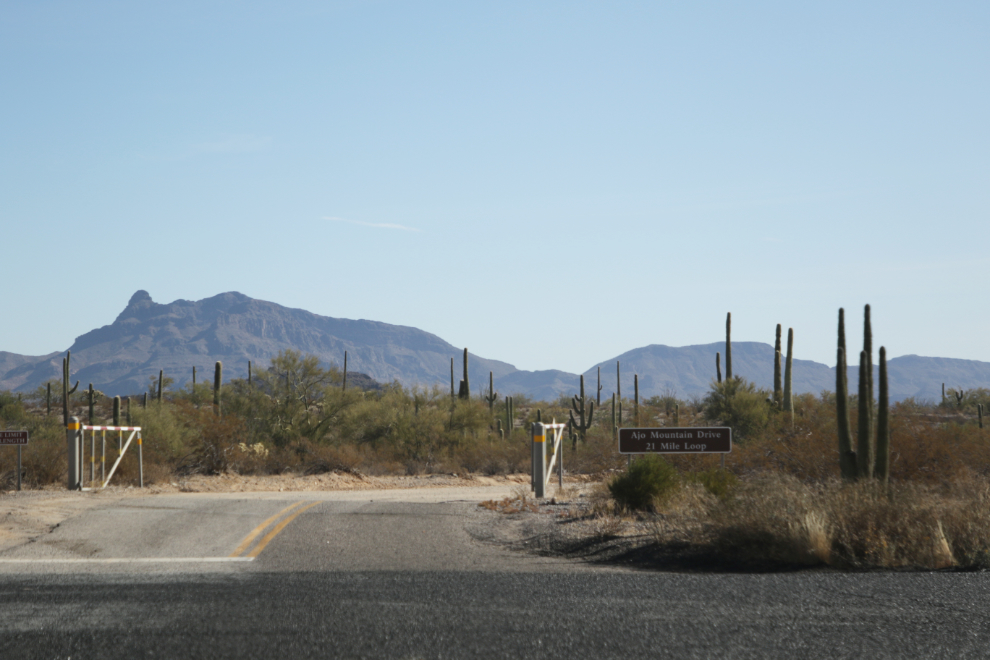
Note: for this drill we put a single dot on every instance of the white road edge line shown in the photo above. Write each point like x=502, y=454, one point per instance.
x=128, y=560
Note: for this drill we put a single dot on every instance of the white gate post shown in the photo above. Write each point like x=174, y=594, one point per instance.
x=539, y=459
x=73, y=441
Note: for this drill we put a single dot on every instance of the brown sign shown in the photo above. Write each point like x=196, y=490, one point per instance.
x=13, y=437
x=694, y=440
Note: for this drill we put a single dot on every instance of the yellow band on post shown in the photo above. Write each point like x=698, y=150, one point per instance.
x=74, y=426
x=539, y=438
x=139, y=440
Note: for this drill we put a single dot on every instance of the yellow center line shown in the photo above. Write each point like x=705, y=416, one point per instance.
x=278, y=528
x=246, y=543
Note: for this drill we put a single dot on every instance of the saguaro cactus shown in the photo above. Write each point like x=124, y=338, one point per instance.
x=161, y=378
x=343, y=385
x=979, y=413
x=453, y=394
x=960, y=395
x=788, y=377
x=128, y=411
x=847, y=457
x=677, y=414
x=598, y=397
x=217, y=382
x=91, y=402
x=636, y=399
x=778, y=389
x=492, y=395
x=718, y=367
x=249, y=373
x=615, y=427
x=881, y=468
x=618, y=389
x=728, y=345
x=510, y=416
x=66, y=391
x=48, y=400
x=465, y=391
x=581, y=406
x=194, y=383
x=116, y=411
x=864, y=435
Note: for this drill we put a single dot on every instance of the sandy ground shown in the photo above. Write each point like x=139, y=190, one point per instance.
x=29, y=514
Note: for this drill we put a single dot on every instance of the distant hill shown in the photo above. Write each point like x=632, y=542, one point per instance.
x=120, y=358
x=688, y=371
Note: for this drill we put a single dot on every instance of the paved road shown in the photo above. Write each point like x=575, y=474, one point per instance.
x=395, y=574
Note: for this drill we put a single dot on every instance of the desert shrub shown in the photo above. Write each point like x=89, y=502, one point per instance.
x=739, y=404
x=777, y=518
x=716, y=481
x=217, y=445
x=646, y=485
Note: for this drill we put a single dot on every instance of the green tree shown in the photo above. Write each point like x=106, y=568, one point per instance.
x=739, y=404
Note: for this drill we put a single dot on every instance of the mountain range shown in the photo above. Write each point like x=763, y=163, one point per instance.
x=122, y=357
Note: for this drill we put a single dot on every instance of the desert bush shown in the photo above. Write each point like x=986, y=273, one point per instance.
x=778, y=518
x=716, y=481
x=739, y=404
x=646, y=485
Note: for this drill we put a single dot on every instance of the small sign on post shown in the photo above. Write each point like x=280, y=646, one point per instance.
x=18, y=438
x=667, y=440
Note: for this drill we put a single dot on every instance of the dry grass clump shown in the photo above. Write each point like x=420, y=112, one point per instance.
x=778, y=518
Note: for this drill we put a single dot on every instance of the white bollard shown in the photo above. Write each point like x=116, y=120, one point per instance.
x=539, y=459
x=73, y=441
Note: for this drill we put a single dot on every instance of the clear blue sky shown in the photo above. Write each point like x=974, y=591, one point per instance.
x=629, y=171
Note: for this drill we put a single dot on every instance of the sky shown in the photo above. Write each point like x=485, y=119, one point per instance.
x=547, y=183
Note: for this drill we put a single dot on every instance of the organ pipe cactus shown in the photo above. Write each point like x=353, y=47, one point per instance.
x=217, y=382
x=871, y=457
x=585, y=409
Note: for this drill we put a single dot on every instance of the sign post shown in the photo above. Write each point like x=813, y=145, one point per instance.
x=669, y=440
x=19, y=438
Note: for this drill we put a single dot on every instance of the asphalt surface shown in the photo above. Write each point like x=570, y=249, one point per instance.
x=392, y=574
